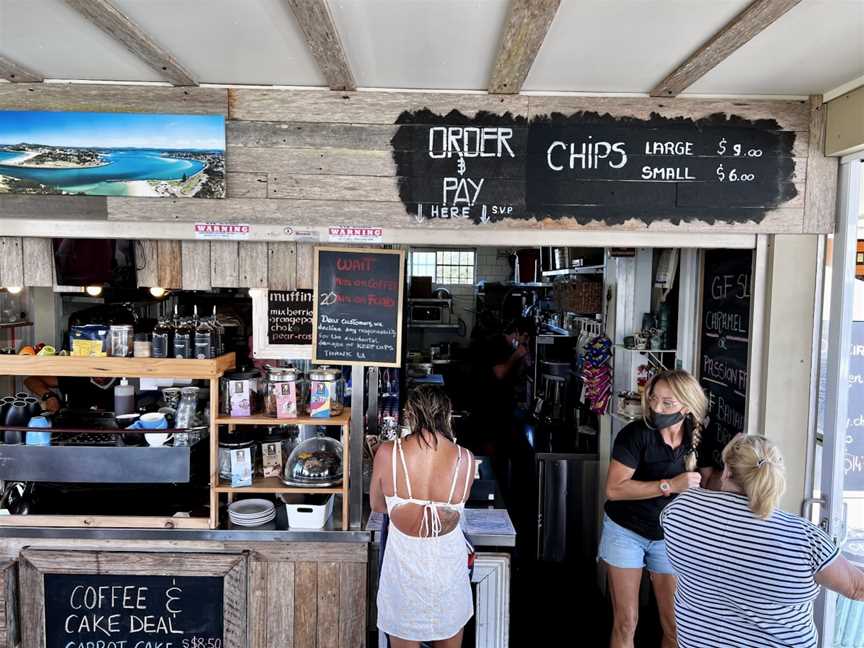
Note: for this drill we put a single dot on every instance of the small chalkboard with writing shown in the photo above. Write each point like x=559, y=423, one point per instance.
x=358, y=306
x=289, y=316
x=724, y=346
x=853, y=458
x=282, y=324
x=88, y=610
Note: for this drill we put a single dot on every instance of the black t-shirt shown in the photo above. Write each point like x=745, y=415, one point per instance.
x=643, y=449
x=495, y=393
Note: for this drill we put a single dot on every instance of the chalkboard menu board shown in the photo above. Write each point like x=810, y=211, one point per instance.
x=102, y=611
x=853, y=462
x=289, y=316
x=358, y=306
x=592, y=167
x=724, y=345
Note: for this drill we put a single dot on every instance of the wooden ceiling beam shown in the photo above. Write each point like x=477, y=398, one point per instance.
x=758, y=15
x=525, y=32
x=117, y=25
x=323, y=41
x=13, y=72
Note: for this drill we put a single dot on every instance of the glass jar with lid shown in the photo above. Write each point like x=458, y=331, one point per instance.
x=231, y=442
x=326, y=392
x=284, y=392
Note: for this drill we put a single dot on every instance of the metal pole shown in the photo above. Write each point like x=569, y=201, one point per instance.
x=355, y=493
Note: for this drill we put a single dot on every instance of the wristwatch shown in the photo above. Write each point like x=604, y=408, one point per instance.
x=665, y=488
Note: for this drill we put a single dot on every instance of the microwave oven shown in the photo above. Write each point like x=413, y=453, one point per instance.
x=430, y=311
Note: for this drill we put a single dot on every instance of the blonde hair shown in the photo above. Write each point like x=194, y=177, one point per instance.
x=757, y=467
x=687, y=391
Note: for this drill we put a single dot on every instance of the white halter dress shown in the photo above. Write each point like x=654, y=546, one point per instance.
x=424, y=593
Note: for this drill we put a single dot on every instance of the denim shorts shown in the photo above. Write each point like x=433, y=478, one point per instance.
x=625, y=549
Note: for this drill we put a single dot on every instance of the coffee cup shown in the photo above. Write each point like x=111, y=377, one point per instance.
x=153, y=421
x=157, y=439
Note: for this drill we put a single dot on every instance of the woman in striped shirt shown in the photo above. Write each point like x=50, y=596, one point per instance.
x=747, y=572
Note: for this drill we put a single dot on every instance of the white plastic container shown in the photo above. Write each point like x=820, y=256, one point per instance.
x=308, y=515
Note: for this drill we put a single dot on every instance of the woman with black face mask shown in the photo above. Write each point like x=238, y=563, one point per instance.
x=653, y=459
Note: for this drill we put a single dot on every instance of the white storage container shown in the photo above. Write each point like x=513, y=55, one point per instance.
x=310, y=514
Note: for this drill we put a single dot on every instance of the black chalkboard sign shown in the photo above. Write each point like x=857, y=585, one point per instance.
x=853, y=461
x=289, y=316
x=592, y=167
x=724, y=345
x=89, y=611
x=358, y=306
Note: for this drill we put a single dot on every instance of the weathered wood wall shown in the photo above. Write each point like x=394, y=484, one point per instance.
x=300, y=161
x=190, y=265
x=304, y=595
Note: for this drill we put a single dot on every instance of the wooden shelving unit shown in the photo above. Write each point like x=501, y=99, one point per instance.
x=211, y=370
x=274, y=485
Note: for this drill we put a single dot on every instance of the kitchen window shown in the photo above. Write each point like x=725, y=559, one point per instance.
x=444, y=266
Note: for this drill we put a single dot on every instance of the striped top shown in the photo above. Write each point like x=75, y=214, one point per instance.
x=743, y=582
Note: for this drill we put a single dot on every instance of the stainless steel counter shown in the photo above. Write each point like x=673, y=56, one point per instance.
x=483, y=527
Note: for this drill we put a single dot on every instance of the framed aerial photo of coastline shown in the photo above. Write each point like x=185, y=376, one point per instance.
x=112, y=154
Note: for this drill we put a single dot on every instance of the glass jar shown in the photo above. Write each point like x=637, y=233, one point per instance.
x=284, y=392
x=286, y=438
x=185, y=414
x=326, y=392
x=234, y=442
x=240, y=393
x=120, y=340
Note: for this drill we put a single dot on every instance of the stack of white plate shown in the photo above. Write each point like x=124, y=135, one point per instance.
x=252, y=512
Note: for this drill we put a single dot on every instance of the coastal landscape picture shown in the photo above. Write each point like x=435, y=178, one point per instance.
x=112, y=154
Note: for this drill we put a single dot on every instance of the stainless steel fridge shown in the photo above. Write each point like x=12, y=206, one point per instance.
x=567, y=507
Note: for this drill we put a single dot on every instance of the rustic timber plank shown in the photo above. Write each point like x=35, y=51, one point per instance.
x=352, y=605
x=297, y=552
x=526, y=29
x=311, y=161
x=305, y=265
x=141, y=563
x=246, y=185
x=16, y=73
x=113, y=98
x=196, y=265
x=328, y=604
x=54, y=208
x=282, y=266
x=11, y=261
x=258, y=612
x=31, y=585
x=280, y=596
x=320, y=213
x=323, y=41
x=313, y=135
x=38, y=256
x=147, y=260
x=235, y=600
x=170, y=268
x=739, y=31
x=253, y=264
x=360, y=107
x=9, y=626
x=224, y=264
x=821, y=197
x=305, y=604
x=793, y=115
x=333, y=187
x=119, y=27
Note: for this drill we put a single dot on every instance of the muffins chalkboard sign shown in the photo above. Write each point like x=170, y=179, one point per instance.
x=358, y=306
